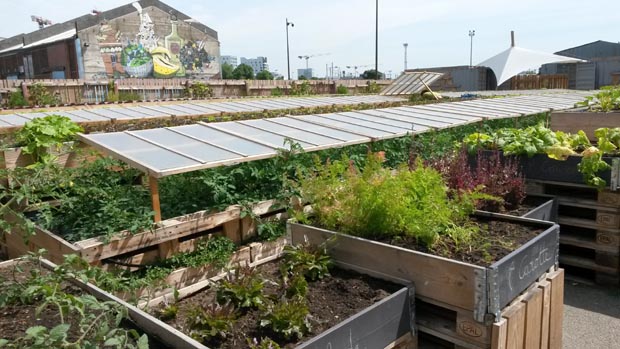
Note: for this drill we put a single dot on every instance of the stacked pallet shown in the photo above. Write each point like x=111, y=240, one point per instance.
x=532, y=320
x=589, y=229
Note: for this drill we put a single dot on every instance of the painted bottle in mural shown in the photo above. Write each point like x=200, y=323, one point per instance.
x=174, y=43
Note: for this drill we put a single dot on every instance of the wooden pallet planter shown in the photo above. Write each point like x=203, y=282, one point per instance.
x=180, y=234
x=573, y=122
x=481, y=291
x=532, y=320
x=186, y=281
x=152, y=326
x=590, y=228
x=387, y=324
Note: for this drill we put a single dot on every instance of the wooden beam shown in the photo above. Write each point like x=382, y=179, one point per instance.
x=153, y=185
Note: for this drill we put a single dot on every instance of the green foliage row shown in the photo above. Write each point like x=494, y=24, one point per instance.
x=608, y=99
x=199, y=90
x=557, y=145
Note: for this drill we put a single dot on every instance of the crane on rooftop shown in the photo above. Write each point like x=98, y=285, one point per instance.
x=42, y=22
x=307, y=57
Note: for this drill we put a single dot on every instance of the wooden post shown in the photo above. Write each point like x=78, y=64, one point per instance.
x=155, y=198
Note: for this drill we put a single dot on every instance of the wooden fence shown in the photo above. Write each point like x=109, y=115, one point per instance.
x=83, y=91
x=537, y=82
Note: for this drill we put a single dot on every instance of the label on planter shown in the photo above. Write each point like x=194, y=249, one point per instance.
x=515, y=272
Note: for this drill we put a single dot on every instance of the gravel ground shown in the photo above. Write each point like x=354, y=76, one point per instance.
x=591, y=316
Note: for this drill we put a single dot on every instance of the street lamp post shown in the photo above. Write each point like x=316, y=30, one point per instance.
x=405, y=45
x=472, y=33
x=377, y=40
x=288, y=55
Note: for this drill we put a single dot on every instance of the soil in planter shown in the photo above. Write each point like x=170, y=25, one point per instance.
x=330, y=301
x=495, y=240
x=16, y=319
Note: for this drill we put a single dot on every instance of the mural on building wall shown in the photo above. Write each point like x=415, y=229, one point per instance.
x=146, y=55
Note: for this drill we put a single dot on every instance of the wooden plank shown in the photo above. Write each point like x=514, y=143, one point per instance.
x=516, y=326
x=263, y=250
x=232, y=230
x=472, y=330
x=408, y=341
x=608, y=220
x=610, y=198
x=586, y=263
x=96, y=249
x=533, y=318
x=545, y=287
x=154, y=189
x=587, y=121
x=583, y=223
x=437, y=278
x=556, y=309
x=499, y=333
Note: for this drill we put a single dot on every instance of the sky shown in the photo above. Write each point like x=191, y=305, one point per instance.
x=342, y=32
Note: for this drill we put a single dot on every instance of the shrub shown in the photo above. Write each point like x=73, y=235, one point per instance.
x=40, y=95
x=342, y=90
x=491, y=174
x=277, y=92
x=16, y=99
x=199, y=90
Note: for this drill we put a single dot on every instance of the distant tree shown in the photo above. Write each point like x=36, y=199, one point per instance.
x=302, y=77
x=227, y=71
x=243, y=71
x=372, y=74
x=264, y=75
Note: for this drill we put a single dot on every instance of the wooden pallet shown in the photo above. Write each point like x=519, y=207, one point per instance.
x=532, y=320
x=180, y=234
x=589, y=229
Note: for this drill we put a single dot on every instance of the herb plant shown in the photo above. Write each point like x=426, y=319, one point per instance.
x=264, y=343
x=310, y=261
x=608, y=99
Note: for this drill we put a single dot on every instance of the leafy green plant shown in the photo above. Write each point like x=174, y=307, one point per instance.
x=312, y=262
x=243, y=288
x=264, y=343
x=288, y=318
x=16, y=99
x=277, y=92
x=303, y=89
x=43, y=135
x=342, y=90
x=83, y=321
x=295, y=286
x=211, y=321
x=40, y=95
x=372, y=87
x=606, y=100
x=199, y=89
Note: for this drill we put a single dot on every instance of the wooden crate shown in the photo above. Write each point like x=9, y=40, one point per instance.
x=589, y=229
x=180, y=234
x=532, y=320
x=588, y=122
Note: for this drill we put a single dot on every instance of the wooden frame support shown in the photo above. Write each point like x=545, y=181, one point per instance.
x=154, y=188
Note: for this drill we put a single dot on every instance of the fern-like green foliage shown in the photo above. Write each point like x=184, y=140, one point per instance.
x=378, y=202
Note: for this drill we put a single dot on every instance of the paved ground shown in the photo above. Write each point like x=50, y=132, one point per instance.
x=591, y=316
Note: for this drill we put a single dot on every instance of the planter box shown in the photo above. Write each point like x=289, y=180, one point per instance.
x=541, y=167
x=152, y=326
x=388, y=323
x=573, y=122
x=481, y=291
x=180, y=234
x=70, y=155
x=546, y=211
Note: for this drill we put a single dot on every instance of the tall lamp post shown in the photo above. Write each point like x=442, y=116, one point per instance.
x=405, y=45
x=377, y=39
x=288, y=55
x=472, y=33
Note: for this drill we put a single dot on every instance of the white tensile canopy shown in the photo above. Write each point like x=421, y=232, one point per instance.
x=516, y=59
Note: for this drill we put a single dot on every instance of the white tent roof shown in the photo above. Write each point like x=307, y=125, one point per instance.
x=516, y=59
